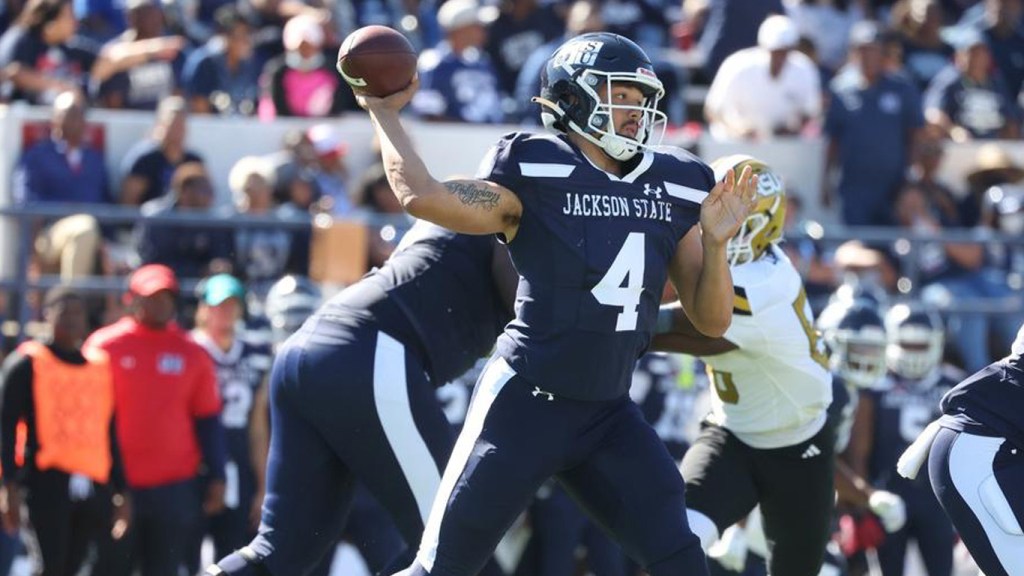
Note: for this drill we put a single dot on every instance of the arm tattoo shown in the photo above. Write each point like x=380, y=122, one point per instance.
x=472, y=194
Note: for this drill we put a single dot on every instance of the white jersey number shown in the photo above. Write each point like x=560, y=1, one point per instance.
x=628, y=269
x=237, y=397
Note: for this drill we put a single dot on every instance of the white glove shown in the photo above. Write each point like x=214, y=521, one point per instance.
x=731, y=549
x=889, y=508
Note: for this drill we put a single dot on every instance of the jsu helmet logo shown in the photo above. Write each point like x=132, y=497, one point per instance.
x=648, y=191
x=578, y=53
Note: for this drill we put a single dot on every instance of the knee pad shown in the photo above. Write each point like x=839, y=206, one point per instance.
x=703, y=527
x=998, y=507
x=243, y=562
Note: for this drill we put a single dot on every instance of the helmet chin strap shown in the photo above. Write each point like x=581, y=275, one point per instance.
x=614, y=146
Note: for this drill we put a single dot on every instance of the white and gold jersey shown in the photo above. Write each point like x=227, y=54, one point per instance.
x=774, y=389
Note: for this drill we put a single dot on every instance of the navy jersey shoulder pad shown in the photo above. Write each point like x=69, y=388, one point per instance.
x=522, y=154
x=676, y=155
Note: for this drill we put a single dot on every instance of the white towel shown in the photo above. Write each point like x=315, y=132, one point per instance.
x=914, y=456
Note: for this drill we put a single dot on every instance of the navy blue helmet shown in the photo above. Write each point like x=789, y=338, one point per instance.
x=855, y=289
x=571, y=96
x=916, y=340
x=855, y=334
x=290, y=301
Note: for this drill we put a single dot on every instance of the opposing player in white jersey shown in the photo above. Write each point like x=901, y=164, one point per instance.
x=767, y=440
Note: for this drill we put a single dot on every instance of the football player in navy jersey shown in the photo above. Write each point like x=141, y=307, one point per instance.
x=595, y=221
x=352, y=394
x=242, y=367
x=890, y=417
x=856, y=337
x=975, y=453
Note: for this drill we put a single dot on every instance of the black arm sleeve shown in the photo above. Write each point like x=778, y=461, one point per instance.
x=16, y=405
x=213, y=444
x=117, y=479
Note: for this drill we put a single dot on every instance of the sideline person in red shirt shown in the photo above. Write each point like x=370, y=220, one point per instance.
x=168, y=423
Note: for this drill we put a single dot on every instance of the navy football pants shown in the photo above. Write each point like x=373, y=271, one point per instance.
x=560, y=527
x=980, y=482
x=926, y=524
x=603, y=453
x=346, y=404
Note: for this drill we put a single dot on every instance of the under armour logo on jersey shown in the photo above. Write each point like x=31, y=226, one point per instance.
x=656, y=191
x=537, y=392
x=811, y=452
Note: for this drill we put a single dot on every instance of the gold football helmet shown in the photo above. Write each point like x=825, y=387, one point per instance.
x=764, y=225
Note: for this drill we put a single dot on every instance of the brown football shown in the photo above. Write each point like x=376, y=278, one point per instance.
x=377, y=60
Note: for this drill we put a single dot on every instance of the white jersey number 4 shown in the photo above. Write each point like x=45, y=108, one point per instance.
x=628, y=269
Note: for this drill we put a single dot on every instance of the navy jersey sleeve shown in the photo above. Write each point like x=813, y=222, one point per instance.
x=26, y=50
x=696, y=181
x=834, y=115
x=199, y=77
x=501, y=165
x=497, y=165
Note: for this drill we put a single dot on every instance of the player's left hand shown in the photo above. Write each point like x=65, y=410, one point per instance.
x=213, y=503
x=889, y=508
x=727, y=206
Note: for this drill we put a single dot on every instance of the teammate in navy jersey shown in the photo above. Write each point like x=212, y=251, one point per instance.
x=595, y=220
x=855, y=334
x=352, y=395
x=976, y=462
x=369, y=527
x=242, y=368
x=890, y=417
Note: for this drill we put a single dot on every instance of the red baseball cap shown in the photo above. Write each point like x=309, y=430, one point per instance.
x=152, y=278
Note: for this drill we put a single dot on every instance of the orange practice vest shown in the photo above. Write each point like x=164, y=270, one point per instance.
x=73, y=405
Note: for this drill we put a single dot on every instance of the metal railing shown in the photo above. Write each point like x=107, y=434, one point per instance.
x=903, y=242
x=25, y=219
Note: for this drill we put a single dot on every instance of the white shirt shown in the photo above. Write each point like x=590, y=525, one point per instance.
x=774, y=389
x=827, y=26
x=743, y=95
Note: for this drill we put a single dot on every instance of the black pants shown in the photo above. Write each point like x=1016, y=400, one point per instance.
x=60, y=530
x=726, y=478
x=163, y=521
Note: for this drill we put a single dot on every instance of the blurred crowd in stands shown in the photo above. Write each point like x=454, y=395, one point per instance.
x=884, y=83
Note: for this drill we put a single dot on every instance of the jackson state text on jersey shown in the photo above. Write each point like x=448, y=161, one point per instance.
x=592, y=251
